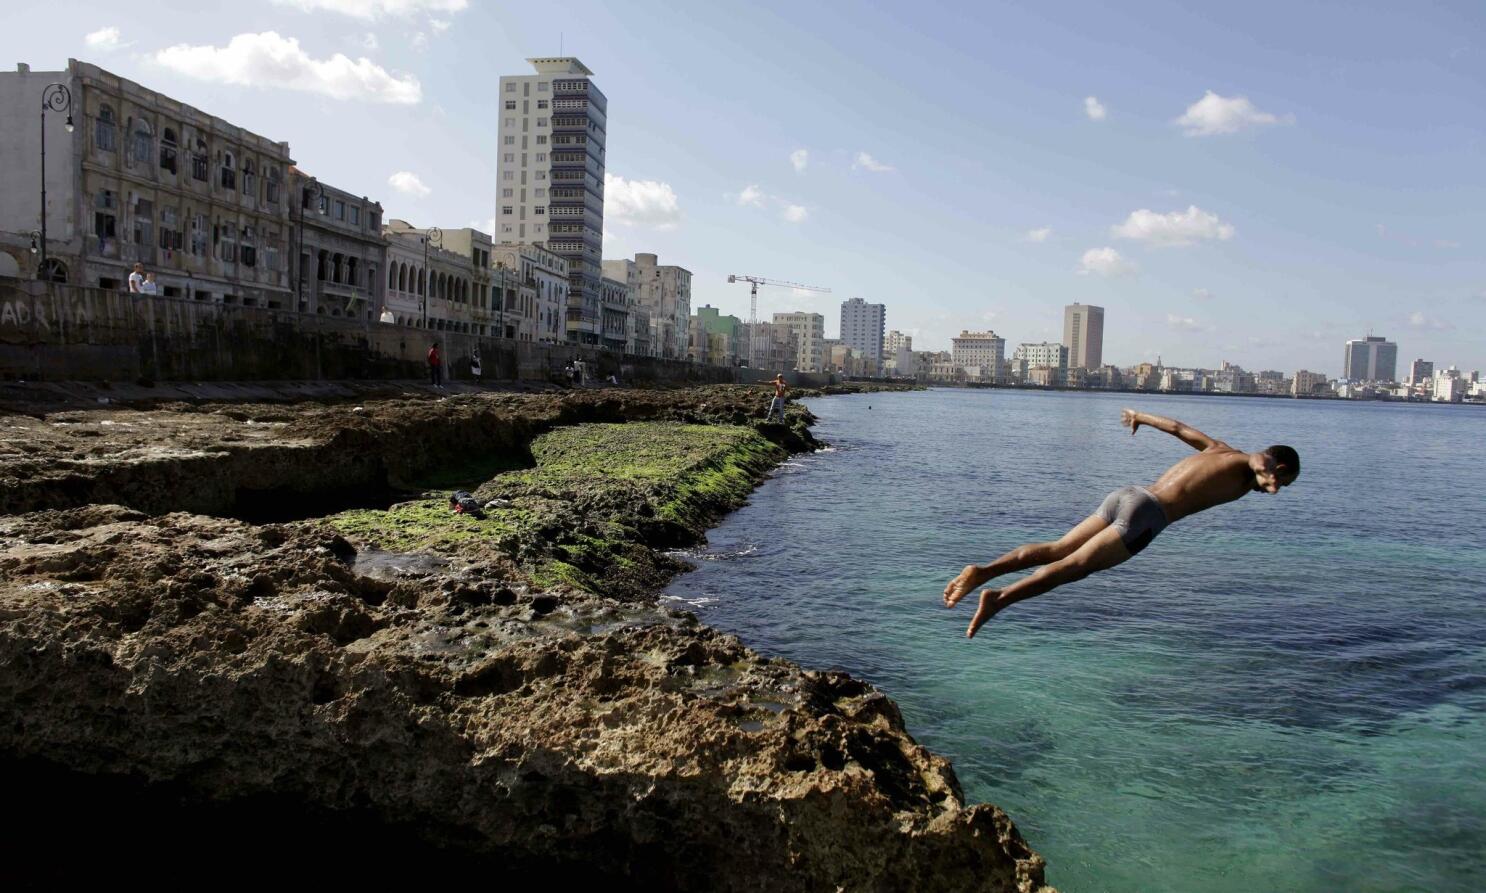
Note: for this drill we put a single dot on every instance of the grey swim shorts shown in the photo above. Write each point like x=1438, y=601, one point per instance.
x=1136, y=514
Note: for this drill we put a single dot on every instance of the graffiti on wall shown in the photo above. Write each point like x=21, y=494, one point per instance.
x=42, y=316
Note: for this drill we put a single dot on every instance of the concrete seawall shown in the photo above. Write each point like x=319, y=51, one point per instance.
x=51, y=332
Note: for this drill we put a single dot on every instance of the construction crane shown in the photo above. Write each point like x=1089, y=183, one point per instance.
x=754, y=283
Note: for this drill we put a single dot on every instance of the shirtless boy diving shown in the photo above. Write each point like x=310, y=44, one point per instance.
x=1130, y=517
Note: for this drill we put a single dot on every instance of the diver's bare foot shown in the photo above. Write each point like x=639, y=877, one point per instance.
x=990, y=603
x=972, y=576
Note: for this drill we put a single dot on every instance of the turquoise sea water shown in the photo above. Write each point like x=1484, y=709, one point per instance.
x=1287, y=693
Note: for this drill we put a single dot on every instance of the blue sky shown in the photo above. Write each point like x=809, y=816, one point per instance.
x=954, y=167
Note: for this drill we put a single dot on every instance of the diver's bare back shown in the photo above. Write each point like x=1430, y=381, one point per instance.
x=1212, y=477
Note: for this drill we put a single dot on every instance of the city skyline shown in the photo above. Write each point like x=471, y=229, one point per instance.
x=1293, y=207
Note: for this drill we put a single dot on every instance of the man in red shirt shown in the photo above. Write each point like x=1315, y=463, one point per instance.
x=435, y=361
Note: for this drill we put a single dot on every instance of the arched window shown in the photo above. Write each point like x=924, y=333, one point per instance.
x=392, y=277
x=337, y=264
x=422, y=282
x=141, y=141
x=198, y=160
x=167, y=150
x=322, y=267
x=105, y=130
x=402, y=277
x=53, y=271
x=229, y=171
x=250, y=177
x=351, y=272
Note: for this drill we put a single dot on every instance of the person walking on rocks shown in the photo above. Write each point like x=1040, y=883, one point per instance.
x=435, y=363
x=780, y=391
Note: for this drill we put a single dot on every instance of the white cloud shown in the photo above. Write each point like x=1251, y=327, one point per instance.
x=408, y=183
x=1184, y=323
x=268, y=60
x=420, y=41
x=1104, y=262
x=104, y=39
x=796, y=213
x=989, y=316
x=640, y=202
x=751, y=196
x=1095, y=109
x=799, y=158
x=1176, y=228
x=1039, y=235
x=867, y=162
x=377, y=9
x=1418, y=320
x=439, y=26
x=369, y=42
x=1214, y=114
x=1202, y=294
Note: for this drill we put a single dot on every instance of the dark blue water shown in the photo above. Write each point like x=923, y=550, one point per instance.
x=1284, y=693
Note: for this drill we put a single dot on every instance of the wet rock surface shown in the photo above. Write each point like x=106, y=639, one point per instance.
x=503, y=693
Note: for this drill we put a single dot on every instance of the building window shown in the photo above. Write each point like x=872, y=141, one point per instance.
x=510, y=140
x=506, y=193
x=356, y=215
x=271, y=252
x=505, y=209
x=508, y=175
x=340, y=210
x=509, y=157
x=541, y=103
x=539, y=210
x=510, y=122
x=541, y=193
x=167, y=150
x=105, y=204
x=541, y=86
x=198, y=235
x=170, y=229
x=541, y=157
x=541, y=122
x=371, y=221
x=105, y=130
x=541, y=139
x=540, y=175
x=144, y=222
x=511, y=88
x=271, y=188
x=141, y=141
x=229, y=171
x=198, y=160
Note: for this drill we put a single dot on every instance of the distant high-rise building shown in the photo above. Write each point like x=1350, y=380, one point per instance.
x=985, y=351
x=550, y=177
x=1420, y=371
x=1042, y=355
x=862, y=327
x=1083, y=335
x=1307, y=384
x=810, y=333
x=1370, y=359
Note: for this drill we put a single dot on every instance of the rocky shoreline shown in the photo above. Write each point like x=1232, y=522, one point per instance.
x=247, y=616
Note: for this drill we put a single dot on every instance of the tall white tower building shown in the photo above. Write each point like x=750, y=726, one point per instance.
x=550, y=175
x=862, y=327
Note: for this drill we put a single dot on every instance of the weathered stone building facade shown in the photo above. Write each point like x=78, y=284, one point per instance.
x=342, y=255
x=546, y=272
x=143, y=178
x=449, y=294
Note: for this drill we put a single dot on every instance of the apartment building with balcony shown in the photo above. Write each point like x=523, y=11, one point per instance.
x=341, y=254
x=550, y=177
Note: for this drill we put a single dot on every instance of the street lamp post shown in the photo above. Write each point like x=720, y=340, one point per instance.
x=313, y=190
x=435, y=236
x=500, y=300
x=57, y=98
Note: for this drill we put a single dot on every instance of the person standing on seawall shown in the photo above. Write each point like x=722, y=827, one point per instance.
x=136, y=280
x=475, y=369
x=149, y=287
x=435, y=362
